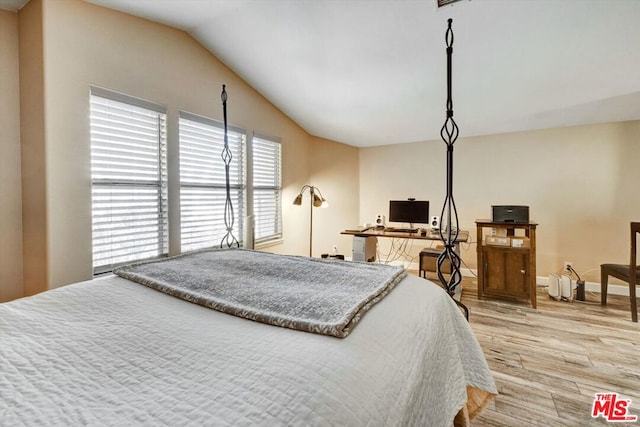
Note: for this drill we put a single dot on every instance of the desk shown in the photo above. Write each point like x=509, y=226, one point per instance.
x=362, y=248
x=463, y=236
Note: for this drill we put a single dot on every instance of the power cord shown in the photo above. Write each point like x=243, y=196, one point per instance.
x=580, y=284
x=468, y=268
x=400, y=249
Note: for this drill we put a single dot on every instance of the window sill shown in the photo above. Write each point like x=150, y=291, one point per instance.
x=269, y=243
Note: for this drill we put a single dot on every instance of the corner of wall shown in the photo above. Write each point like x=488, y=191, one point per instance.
x=335, y=170
x=34, y=221
x=11, y=283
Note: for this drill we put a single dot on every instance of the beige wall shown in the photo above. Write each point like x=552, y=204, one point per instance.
x=333, y=168
x=10, y=179
x=88, y=45
x=335, y=173
x=577, y=181
x=580, y=184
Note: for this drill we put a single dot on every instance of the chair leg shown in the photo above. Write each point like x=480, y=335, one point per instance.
x=604, y=283
x=634, y=307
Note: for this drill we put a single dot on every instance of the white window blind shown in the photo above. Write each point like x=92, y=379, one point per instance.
x=267, y=188
x=203, y=183
x=129, y=179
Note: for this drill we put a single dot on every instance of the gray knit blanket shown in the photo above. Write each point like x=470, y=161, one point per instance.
x=315, y=295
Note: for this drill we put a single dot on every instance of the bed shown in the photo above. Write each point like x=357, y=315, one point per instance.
x=111, y=351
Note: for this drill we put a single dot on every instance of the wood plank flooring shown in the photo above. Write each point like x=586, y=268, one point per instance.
x=549, y=362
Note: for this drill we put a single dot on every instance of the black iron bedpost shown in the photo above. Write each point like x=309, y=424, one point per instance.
x=449, y=215
x=229, y=239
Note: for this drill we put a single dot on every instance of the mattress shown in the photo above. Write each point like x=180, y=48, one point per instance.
x=113, y=352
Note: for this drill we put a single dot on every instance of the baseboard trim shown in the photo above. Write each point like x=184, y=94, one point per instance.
x=541, y=281
x=594, y=287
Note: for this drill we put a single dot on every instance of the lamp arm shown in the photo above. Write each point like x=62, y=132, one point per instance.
x=304, y=187
x=312, y=190
x=317, y=190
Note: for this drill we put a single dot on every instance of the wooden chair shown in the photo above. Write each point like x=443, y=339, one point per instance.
x=622, y=272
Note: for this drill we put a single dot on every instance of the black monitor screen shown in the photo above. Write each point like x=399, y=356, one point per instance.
x=411, y=211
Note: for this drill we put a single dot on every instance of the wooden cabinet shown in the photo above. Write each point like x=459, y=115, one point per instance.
x=507, y=271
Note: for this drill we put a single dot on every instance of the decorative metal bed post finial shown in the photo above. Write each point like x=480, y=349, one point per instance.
x=449, y=215
x=229, y=239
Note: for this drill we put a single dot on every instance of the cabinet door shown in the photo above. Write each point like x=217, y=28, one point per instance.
x=505, y=272
x=517, y=274
x=494, y=270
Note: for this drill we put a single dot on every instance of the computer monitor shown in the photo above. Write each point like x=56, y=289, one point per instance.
x=409, y=211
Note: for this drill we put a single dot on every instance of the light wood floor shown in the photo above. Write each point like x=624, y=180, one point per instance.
x=549, y=362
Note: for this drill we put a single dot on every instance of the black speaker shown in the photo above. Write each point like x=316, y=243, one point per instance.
x=510, y=213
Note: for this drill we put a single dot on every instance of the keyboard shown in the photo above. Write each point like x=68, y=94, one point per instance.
x=401, y=230
x=358, y=229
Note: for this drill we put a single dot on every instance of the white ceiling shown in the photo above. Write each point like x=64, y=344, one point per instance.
x=372, y=72
x=12, y=5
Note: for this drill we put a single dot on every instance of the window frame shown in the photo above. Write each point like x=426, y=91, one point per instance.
x=239, y=209
x=277, y=187
x=113, y=186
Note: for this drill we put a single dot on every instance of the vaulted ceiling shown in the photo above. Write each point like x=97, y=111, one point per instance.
x=372, y=72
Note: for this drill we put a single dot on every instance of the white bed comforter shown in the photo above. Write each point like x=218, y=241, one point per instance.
x=112, y=352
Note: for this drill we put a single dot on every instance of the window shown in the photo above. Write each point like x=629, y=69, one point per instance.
x=129, y=179
x=267, y=187
x=203, y=183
